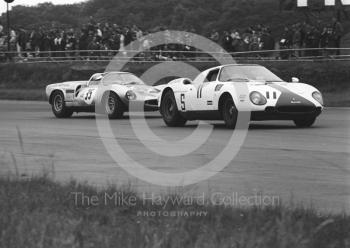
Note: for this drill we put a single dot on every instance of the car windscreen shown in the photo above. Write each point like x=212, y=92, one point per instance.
x=94, y=82
x=95, y=79
x=121, y=78
x=247, y=73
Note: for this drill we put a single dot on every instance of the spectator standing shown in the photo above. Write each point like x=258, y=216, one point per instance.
x=247, y=37
x=237, y=43
x=91, y=25
x=21, y=42
x=115, y=41
x=267, y=41
x=98, y=32
x=94, y=46
x=214, y=36
x=254, y=41
x=84, y=42
x=35, y=41
x=325, y=39
x=59, y=44
x=47, y=44
x=297, y=37
x=71, y=43
x=227, y=42
x=139, y=35
x=316, y=36
x=308, y=40
x=122, y=43
x=337, y=33
x=128, y=36
x=286, y=43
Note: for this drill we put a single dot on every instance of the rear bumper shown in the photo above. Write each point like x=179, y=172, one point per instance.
x=272, y=113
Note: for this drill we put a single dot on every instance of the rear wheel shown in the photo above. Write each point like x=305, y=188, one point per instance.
x=59, y=108
x=229, y=113
x=113, y=106
x=168, y=108
x=308, y=122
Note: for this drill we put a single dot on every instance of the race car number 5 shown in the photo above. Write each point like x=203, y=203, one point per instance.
x=182, y=100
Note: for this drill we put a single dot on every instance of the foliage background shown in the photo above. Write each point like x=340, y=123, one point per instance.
x=202, y=15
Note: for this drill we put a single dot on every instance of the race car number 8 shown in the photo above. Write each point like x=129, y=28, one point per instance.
x=88, y=95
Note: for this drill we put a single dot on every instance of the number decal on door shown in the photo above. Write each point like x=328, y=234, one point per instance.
x=182, y=100
x=88, y=95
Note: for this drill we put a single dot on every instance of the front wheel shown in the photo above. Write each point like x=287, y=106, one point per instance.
x=308, y=122
x=170, y=113
x=59, y=108
x=113, y=106
x=229, y=113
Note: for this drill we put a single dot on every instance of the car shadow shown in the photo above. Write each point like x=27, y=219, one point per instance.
x=252, y=126
x=126, y=117
x=217, y=126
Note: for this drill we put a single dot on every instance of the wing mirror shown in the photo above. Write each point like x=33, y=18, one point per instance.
x=295, y=80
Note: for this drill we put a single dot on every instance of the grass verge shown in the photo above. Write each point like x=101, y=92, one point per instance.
x=38, y=212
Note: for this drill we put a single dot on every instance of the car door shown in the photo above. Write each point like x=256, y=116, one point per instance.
x=184, y=96
x=205, y=91
x=189, y=98
x=86, y=95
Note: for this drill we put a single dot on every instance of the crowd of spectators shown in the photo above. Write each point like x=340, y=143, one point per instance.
x=307, y=36
x=94, y=38
x=59, y=42
x=251, y=39
x=302, y=38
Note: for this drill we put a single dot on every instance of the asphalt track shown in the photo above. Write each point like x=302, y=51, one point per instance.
x=309, y=166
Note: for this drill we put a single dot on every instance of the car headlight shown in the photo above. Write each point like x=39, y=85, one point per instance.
x=318, y=97
x=257, y=98
x=130, y=95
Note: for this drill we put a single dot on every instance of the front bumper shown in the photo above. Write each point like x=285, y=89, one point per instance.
x=147, y=105
x=286, y=113
x=151, y=105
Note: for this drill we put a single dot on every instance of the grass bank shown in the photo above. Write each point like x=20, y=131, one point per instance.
x=27, y=81
x=38, y=212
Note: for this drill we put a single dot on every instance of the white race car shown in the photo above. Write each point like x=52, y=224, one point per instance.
x=212, y=96
x=82, y=96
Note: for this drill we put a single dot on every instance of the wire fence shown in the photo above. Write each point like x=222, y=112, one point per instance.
x=304, y=54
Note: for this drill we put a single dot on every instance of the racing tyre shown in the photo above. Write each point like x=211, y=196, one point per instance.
x=305, y=122
x=59, y=108
x=171, y=115
x=113, y=106
x=229, y=113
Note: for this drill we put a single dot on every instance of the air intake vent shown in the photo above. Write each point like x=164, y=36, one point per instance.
x=296, y=109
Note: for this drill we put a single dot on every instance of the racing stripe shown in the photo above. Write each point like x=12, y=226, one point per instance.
x=289, y=98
